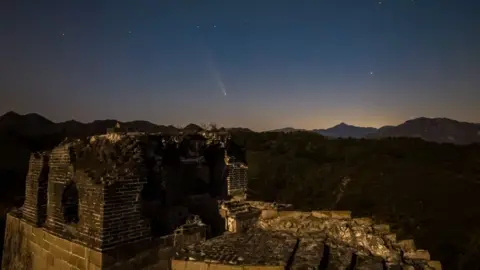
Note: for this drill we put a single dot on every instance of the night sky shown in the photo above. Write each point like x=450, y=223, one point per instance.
x=260, y=64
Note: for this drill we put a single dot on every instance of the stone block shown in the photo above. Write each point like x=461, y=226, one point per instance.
x=322, y=214
x=92, y=266
x=434, y=265
x=341, y=214
x=381, y=228
x=363, y=221
x=407, y=245
x=50, y=238
x=179, y=264
x=63, y=244
x=39, y=262
x=269, y=214
x=62, y=265
x=293, y=214
x=417, y=255
x=78, y=250
x=35, y=248
x=38, y=236
x=95, y=257
x=50, y=259
x=390, y=238
x=76, y=261
x=46, y=246
x=214, y=266
x=59, y=253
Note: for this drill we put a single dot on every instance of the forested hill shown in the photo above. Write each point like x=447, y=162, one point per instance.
x=425, y=190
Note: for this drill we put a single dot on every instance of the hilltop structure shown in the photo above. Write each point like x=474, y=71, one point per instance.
x=135, y=201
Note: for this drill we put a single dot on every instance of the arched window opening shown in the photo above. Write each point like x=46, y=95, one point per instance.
x=70, y=203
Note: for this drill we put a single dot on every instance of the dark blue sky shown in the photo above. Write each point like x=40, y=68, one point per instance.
x=306, y=64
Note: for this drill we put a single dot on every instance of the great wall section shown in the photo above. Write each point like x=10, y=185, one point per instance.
x=145, y=201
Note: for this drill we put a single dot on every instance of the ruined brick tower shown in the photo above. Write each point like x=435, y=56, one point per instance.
x=82, y=205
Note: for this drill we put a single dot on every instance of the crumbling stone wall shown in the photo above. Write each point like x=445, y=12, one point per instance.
x=35, y=205
x=109, y=174
x=359, y=236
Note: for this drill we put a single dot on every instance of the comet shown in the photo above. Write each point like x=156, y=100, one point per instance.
x=217, y=77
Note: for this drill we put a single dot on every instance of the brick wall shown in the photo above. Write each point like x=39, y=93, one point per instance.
x=109, y=209
x=237, y=180
x=122, y=217
x=35, y=205
x=60, y=173
x=89, y=229
x=28, y=247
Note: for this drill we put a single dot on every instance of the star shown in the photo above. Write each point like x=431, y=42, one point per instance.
x=214, y=26
x=63, y=34
x=129, y=32
x=198, y=26
x=371, y=72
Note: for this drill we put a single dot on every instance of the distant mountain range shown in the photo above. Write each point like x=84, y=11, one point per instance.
x=343, y=130
x=22, y=134
x=440, y=130
x=35, y=125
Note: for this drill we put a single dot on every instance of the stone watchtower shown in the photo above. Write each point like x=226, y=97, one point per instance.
x=82, y=202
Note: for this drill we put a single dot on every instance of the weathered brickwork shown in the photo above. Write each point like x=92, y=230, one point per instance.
x=111, y=202
x=122, y=219
x=83, y=210
x=237, y=180
x=326, y=237
x=35, y=205
x=28, y=247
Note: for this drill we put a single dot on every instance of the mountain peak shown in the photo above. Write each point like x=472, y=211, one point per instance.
x=343, y=124
x=192, y=127
x=344, y=130
x=9, y=114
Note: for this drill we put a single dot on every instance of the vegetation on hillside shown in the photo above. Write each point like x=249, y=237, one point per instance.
x=426, y=191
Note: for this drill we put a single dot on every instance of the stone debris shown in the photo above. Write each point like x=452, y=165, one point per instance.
x=307, y=240
x=253, y=248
